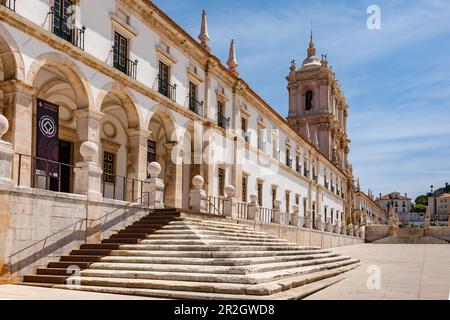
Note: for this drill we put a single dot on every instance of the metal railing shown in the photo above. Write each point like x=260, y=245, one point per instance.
x=298, y=168
x=289, y=163
x=265, y=215
x=70, y=33
x=306, y=173
x=166, y=89
x=196, y=106
x=242, y=210
x=125, y=65
x=215, y=206
x=286, y=218
x=316, y=178
x=46, y=174
x=121, y=188
x=223, y=122
x=10, y=4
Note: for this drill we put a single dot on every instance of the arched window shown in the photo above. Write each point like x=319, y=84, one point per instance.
x=309, y=100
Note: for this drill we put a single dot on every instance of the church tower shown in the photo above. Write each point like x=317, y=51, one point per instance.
x=317, y=107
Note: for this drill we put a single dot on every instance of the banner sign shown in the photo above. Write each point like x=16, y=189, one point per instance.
x=47, y=140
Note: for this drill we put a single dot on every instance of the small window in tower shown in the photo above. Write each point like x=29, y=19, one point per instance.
x=309, y=100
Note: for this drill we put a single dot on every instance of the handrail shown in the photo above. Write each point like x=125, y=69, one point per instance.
x=134, y=202
x=212, y=203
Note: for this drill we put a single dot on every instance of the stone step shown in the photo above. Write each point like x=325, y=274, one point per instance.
x=293, y=294
x=242, y=270
x=265, y=289
x=81, y=258
x=122, y=241
x=255, y=278
x=211, y=261
x=210, y=247
x=54, y=272
x=137, y=230
x=210, y=254
x=129, y=236
x=100, y=246
x=68, y=264
x=184, y=227
x=198, y=224
x=206, y=231
x=45, y=279
x=91, y=252
x=150, y=227
x=211, y=237
x=211, y=242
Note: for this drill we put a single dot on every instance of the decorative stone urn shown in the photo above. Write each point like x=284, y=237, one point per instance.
x=295, y=216
x=229, y=203
x=197, y=196
x=276, y=212
x=154, y=187
x=88, y=174
x=253, y=207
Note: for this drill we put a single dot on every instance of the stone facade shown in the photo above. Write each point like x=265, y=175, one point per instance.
x=165, y=99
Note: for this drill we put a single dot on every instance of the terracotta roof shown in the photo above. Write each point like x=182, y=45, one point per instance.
x=391, y=196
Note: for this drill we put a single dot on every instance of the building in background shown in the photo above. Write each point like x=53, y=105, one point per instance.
x=439, y=203
x=401, y=203
x=367, y=211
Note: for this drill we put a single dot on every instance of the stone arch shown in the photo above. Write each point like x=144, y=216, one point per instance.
x=69, y=70
x=10, y=56
x=127, y=100
x=164, y=133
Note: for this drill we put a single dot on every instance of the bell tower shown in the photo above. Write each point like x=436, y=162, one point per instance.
x=317, y=107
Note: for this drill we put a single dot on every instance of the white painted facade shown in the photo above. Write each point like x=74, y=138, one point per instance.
x=133, y=111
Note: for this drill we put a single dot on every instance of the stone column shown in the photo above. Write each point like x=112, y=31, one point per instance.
x=295, y=215
x=276, y=212
x=350, y=230
x=356, y=231
x=18, y=100
x=88, y=174
x=88, y=129
x=253, y=207
x=6, y=156
x=329, y=226
x=318, y=222
x=343, y=228
x=174, y=175
x=336, y=227
x=154, y=187
x=137, y=169
x=308, y=220
x=197, y=196
x=229, y=205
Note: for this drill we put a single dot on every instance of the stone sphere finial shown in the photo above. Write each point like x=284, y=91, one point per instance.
x=154, y=169
x=253, y=198
x=198, y=182
x=229, y=190
x=89, y=150
x=4, y=126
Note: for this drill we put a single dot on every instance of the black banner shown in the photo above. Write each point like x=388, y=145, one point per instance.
x=47, y=141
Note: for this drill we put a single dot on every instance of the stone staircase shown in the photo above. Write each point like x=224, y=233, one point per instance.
x=168, y=256
x=410, y=236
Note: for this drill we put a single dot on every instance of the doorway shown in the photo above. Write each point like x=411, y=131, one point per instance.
x=64, y=181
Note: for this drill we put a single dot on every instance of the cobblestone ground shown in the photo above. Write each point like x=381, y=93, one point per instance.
x=408, y=272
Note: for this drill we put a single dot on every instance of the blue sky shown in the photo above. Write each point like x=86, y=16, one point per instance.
x=396, y=80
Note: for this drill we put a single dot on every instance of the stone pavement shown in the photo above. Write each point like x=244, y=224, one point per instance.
x=17, y=292
x=408, y=272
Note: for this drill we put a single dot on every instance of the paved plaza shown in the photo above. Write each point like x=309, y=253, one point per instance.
x=408, y=272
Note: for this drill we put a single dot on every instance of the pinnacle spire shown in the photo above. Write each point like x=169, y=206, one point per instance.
x=232, y=62
x=316, y=139
x=312, y=48
x=204, y=36
x=308, y=133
